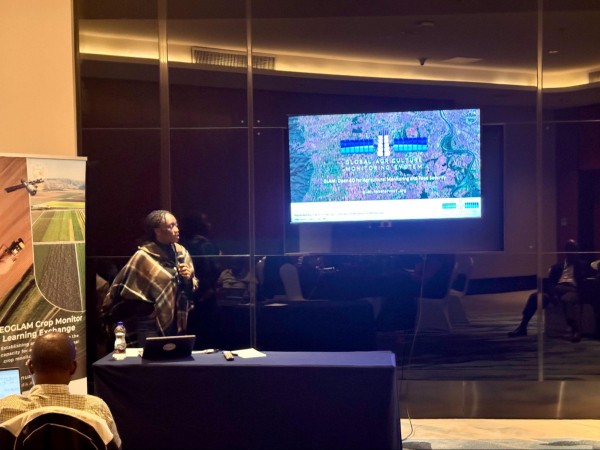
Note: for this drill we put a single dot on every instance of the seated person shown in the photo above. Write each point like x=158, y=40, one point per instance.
x=232, y=279
x=235, y=279
x=564, y=280
x=52, y=364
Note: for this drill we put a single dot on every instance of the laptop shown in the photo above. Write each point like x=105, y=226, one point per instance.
x=168, y=347
x=10, y=381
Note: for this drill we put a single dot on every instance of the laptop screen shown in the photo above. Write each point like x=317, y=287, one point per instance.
x=168, y=347
x=10, y=381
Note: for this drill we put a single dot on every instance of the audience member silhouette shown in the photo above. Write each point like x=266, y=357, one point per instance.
x=204, y=318
x=564, y=280
x=236, y=277
x=52, y=364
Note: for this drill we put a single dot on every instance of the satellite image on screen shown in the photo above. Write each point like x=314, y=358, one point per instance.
x=385, y=156
x=427, y=154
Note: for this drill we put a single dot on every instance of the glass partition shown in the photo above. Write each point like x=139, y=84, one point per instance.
x=119, y=117
x=119, y=133
x=571, y=132
x=169, y=103
x=340, y=60
x=210, y=154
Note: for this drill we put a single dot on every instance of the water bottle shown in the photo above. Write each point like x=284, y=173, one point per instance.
x=120, y=343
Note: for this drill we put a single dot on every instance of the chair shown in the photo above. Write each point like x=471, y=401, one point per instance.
x=56, y=427
x=334, y=325
x=260, y=270
x=7, y=439
x=458, y=289
x=269, y=279
x=291, y=282
x=590, y=305
x=433, y=313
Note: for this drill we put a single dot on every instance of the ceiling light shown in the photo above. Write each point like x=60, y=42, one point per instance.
x=461, y=60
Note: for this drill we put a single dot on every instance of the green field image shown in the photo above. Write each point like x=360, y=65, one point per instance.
x=80, y=252
x=60, y=226
x=58, y=274
x=25, y=304
x=69, y=199
x=23, y=301
x=64, y=205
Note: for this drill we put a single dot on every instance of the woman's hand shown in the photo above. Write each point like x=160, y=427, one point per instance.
x=185, y=271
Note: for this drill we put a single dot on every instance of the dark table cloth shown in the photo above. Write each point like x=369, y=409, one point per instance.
x=286, y=400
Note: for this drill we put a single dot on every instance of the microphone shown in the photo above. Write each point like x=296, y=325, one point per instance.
x=179, y=259
x=183, y=284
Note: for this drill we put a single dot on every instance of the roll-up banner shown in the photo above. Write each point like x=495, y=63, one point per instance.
x=42, y=257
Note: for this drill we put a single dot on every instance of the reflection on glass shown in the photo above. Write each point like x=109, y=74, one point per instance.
x=538, y=188
x=571, y=125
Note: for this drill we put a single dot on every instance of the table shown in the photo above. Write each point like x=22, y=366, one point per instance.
x=308, y=326
x=286, y=400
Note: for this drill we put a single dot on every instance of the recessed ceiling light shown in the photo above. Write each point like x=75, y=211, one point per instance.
x=461, y=60
x=552, y=52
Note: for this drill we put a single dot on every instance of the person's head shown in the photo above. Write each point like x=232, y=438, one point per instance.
x=571, y=246
x=196, y=225
x=161, y=226
x=52, y=359
x=239, y=267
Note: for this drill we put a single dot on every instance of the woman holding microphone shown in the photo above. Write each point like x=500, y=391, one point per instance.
x=151, y=294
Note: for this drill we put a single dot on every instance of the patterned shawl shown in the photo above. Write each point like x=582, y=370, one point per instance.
x=149, y=277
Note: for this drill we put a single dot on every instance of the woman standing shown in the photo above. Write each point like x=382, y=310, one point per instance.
x=151, y=292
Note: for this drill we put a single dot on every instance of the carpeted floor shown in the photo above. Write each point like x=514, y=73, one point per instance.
x=492, y=434
x=482, y=350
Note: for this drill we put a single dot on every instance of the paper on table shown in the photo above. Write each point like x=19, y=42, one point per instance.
x=133, y=351
x=248, y=353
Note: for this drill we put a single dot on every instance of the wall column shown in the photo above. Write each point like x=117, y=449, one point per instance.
x=37, y=78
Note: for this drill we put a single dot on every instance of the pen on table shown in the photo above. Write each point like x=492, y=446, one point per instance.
x=209, y=350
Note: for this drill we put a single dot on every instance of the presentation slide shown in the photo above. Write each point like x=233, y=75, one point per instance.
x=385, y=166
